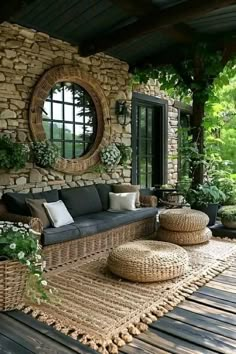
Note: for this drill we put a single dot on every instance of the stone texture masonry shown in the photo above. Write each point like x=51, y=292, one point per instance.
x=25, y=55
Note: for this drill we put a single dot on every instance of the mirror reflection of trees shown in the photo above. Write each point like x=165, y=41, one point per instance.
x=69, y=119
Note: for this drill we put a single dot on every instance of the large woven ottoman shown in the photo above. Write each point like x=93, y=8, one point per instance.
x=183, y=227
x=148, y=261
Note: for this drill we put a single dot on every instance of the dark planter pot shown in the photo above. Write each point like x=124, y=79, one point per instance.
x=211, y=210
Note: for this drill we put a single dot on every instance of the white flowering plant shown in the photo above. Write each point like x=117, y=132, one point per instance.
x=45, y=153
x=110, y=155
x=19, y=243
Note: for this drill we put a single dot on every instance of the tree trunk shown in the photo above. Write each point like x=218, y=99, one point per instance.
x=198, y=137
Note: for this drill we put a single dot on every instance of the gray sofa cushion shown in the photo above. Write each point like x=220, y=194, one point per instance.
x=103, y=191
x=15, y=202
x=103, y=221
x=93, y=223
x=53, y=235
x=81, y=200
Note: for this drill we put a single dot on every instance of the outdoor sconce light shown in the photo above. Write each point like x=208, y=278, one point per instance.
x=122, y=113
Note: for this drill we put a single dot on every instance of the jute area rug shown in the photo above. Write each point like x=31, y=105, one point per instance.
x=105, y=312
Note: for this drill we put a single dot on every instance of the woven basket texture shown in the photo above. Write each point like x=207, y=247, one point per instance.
x=183, y=220
x=70, y=251
x=12, y=284
x=184, y=238
x=148, y=261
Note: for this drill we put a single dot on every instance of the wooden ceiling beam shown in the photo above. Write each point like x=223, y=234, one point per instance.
x=154, y=21
x=181, y=33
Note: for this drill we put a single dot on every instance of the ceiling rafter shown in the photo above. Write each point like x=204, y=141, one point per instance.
x=181, y=33
x=154, y=21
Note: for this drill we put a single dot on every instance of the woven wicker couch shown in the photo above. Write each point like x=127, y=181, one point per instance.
x=95, y=228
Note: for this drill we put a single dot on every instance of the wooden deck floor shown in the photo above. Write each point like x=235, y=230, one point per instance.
x=205, y=323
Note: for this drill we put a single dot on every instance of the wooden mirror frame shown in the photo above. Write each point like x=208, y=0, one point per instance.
x=41, y=91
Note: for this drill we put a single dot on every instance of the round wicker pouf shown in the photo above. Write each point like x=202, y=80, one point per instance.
x=184, y=238
x=148, y=261
x=183, y=219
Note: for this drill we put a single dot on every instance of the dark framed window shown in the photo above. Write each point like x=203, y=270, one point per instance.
x=149, y=140
x=70, y=119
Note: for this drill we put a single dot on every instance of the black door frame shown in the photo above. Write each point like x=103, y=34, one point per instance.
x=145, y=99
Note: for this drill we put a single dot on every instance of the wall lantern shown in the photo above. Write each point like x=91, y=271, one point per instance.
x=122, y=112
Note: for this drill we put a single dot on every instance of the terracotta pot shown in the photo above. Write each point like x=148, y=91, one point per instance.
x=228, y=224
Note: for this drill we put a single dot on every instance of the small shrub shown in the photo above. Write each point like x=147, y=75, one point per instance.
x=12, y=154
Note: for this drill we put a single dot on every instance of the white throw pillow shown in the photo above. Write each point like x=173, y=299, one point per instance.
x=58, y=213
x=122, y=201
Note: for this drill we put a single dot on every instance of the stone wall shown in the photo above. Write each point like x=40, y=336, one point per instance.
x=25, y=55
x=152, y=89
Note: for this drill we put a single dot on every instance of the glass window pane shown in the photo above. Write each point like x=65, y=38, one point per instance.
x=70, y=116
x=149, y=180
x=79, y=149
x=143, y=150
x=149, y=147
x=149, y=165
x=57, y=92
x=59, y=145
x=142, y=117
x=69, y=131
x=68, y=112
x=142, y=165
x=57, y=111
x=142, y=181
x=58, y=131
x=47, y=128
x=68, y=92
x=79, y=132
x=46, y=113
x=79, y=114
x=149, y=122
x=68, y=150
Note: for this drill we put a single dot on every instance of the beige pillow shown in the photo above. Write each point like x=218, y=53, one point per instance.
x=122, y=201
x=128, y=188
x=37, y=210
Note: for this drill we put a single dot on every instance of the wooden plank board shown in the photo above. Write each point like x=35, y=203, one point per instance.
x=226, y=279
x=7, y=346
x=220, y=294
x=201, y=321
x=213, y=302
x=209, y=312
x=139, y=347
x=50, y=332
x=172, y=344
x=222, y=286
x=209, y=340
x=29, y=338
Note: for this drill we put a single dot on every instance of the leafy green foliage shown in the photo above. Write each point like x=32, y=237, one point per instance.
x=126, y=153
x=44, y=153
x=19, y=243
x=12, y=155
x=204, y=195
x=228, y=213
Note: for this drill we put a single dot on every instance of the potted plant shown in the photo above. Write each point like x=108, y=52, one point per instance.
x=12, y=154
x=110, y=155
x=228, y=216
x=45, y=153
x=206, y=197
x=21, y=271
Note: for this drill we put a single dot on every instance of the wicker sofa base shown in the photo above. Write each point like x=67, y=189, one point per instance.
x=67, y=252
